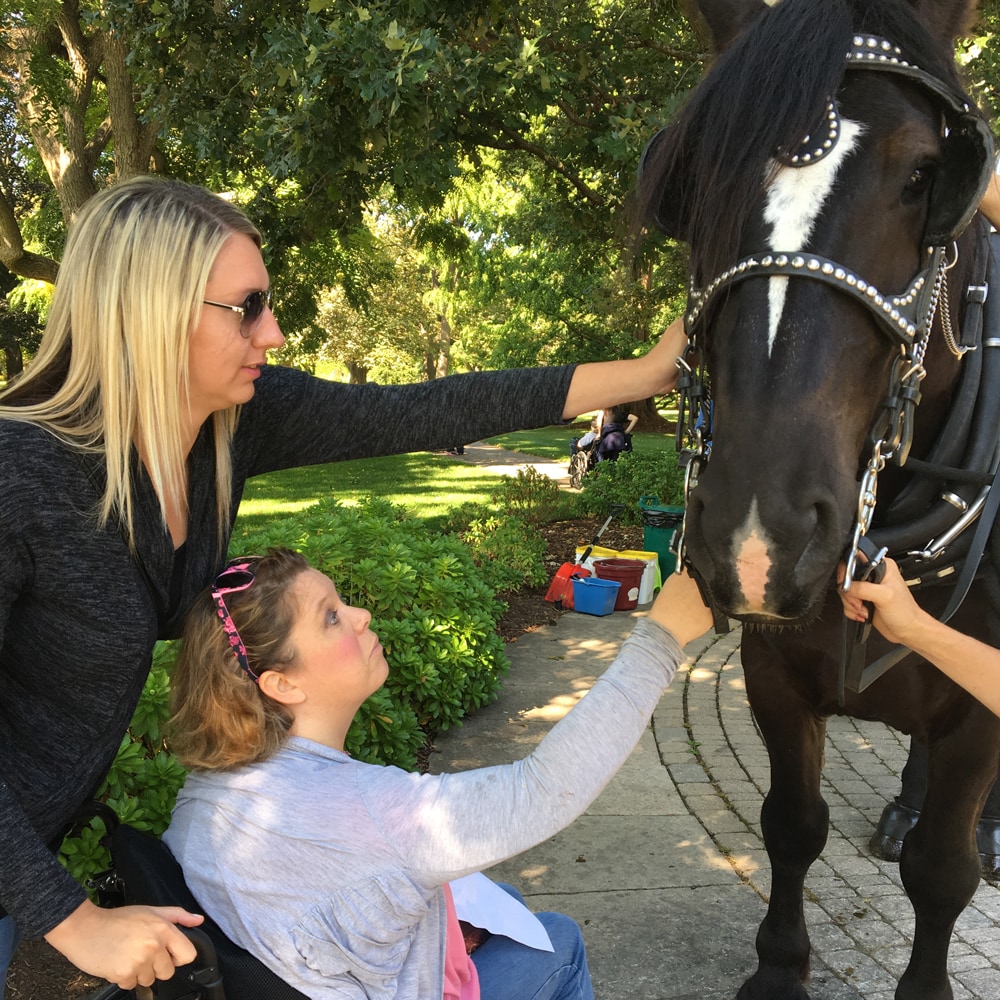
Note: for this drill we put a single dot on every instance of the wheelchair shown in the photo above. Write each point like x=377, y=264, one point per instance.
x=581, y=461
x=144, y=871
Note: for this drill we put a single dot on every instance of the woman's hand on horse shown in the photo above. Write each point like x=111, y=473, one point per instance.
x=896, y=612
x=129, y=945
x=990, y=205
x=680, y=610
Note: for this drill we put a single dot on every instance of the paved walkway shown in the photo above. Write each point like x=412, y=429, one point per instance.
x=667, y=873
x=506, y=463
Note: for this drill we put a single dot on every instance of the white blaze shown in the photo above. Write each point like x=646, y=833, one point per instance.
x=795, y=198
x=751, y=554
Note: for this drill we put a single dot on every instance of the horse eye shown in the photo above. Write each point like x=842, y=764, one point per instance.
x=920, y=180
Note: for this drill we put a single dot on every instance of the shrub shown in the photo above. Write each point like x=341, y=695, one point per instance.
x=433, y=611
x=531, y=496
x=635, y=474
x=509, y=553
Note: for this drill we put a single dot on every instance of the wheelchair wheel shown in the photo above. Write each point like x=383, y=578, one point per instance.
x=577, y=469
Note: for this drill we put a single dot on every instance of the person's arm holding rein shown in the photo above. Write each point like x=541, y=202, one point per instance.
x=967, y=661
x=601, y=384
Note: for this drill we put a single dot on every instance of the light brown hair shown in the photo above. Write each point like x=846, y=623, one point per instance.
x=220, y=718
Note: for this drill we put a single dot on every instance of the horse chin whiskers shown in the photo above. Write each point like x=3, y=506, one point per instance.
x=762, y=624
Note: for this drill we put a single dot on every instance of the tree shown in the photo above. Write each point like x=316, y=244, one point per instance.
x=330, y=101
x=388, y=332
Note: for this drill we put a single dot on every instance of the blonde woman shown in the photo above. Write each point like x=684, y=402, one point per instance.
x=124, y=450
x=335, y=873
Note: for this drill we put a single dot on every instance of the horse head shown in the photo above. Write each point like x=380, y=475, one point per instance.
x=821, y=173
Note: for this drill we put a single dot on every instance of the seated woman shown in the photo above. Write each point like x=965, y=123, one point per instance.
x=616, y=433
x=334, y=872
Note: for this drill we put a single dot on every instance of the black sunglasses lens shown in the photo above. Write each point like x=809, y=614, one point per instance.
x=253, y=306
x=234, y=579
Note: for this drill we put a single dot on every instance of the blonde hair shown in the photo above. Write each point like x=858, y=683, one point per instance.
x=113, y=356
x=220, y=718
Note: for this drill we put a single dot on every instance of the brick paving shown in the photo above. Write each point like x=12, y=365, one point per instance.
x=860, y=921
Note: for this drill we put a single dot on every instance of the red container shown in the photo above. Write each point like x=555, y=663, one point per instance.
x=628, y=572
x=569, y=595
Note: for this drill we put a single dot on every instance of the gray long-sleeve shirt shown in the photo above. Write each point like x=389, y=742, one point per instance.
x=330, y=870
x=78, y=618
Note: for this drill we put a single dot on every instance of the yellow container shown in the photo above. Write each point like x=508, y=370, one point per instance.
x=651, y=579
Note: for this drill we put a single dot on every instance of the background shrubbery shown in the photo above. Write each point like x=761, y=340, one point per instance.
x=433, y=610
x=634, y=475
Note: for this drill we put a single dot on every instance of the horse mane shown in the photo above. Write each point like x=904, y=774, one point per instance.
x=707, y=171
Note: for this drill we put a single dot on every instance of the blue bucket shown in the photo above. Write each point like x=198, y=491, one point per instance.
x=595, y=596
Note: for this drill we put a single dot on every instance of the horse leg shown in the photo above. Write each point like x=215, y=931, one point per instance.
x=940, y=864
x=794, y=820
x=900, y=815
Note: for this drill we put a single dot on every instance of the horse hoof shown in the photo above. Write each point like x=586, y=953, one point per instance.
x=988, y=842
x=773, y=984
x=896, y=822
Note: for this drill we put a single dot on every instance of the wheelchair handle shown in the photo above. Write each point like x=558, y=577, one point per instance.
x=204, y=972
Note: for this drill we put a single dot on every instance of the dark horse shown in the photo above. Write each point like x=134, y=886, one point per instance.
x=825, y=172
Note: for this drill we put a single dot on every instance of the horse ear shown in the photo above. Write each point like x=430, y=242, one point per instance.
x=718, y=22
x=946, y=20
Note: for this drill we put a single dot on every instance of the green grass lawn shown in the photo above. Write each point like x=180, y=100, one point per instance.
x=428, y=485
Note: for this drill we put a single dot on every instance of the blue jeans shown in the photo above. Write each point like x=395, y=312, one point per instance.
x=8, y=945
x=509, y=970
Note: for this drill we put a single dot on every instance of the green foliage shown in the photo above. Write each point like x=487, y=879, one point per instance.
x=635, y=474
x=430, y=606
x=530, y=495
x=509, y=553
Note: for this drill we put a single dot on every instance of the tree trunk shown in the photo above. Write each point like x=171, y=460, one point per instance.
x=358, y=373
x=13, y=362
x=649, y=419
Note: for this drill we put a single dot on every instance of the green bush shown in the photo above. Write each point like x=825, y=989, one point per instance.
x=432, y=609
x=509, y=553
x=634, y=475
x=531, y=496
x=434, y=613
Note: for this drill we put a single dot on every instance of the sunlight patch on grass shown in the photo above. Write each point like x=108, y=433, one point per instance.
x=426, y=484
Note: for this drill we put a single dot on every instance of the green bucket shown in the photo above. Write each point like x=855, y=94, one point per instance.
x=659, y=523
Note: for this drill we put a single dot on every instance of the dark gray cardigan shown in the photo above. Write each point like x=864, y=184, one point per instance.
x=79, y=617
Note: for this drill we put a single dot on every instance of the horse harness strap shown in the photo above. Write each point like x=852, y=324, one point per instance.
x=981, y=327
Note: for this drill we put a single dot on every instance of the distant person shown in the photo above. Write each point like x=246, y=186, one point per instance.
x=336, y=873
x=583, y=442
x=616, y=433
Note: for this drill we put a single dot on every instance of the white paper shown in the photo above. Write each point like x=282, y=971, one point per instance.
x=483, y=903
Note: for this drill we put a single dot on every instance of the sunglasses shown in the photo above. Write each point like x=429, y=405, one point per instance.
x=235, y=577
x=250, y=312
